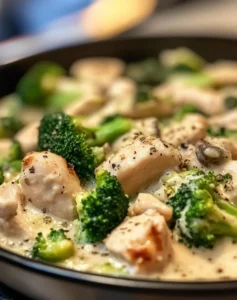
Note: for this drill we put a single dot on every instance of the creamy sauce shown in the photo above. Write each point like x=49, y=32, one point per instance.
x=219, y=263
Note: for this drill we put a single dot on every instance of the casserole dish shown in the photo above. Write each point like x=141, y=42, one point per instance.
x=41, y=281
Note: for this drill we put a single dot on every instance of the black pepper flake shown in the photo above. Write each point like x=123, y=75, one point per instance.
x=94, y=252
x=104, y=254
x=45, y=156
x=44, y=210
x=113, y=166
x=184, y=145
x=219, y=270
x=32, y=170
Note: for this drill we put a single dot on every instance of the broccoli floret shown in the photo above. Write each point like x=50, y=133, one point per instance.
x=182, y=112
x=10, y=163
x=200, y=215
x=143, y=93
x=9, y=126
x=181, y=59
x=222, y=132
x=148, y=71
x=59, y=100
x=38, y=83
x=54, y=248
x=231, y=102
x=64, y=135
x=102, y=209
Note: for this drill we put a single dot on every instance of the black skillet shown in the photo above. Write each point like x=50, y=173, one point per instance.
x=42, y=281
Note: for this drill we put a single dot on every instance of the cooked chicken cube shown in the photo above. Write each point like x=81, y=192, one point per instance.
x=10, y=197
x=28, y=137
x=49, y=183
x=138, y=163
x=223, y=72
x=145, y=202
x=229, y=190
x=144, y=241
x=208, y=101
x=227, y=120
x=191, y=129
x=102, y=71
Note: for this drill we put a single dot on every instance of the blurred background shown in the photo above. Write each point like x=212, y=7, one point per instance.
x=27, y=26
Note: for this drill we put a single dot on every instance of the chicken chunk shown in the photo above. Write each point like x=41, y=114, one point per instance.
x=84, y=106
x=189, y=157
x=49, y=183
x=144, y=241
x=102, y=71
x=228, y=120
x=145, y=202
x=223, y=72
x=208, y=101
x=28, y=137
x=191, y=129
x=10, y=197
x=138, y=163
x=229, y=190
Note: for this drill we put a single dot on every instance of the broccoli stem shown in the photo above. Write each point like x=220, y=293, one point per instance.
x=227, y=207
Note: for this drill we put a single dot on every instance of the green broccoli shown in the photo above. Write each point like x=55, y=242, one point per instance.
x=64, y=135
x=181, y=60
x=10, y=163
x=38, y=83
x=102, y=209
x=148, y=71
x=182, y=112
x=54, y=248
x=9, y=126
x=222, y=132
x=231, y=102
x=143, y=93
x=200, y=215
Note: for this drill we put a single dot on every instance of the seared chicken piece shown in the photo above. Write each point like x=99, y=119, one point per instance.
x=228, y=120
x=145, y=201
x=10, y=197
x=189, y=157
x=28, y=137
x=223, y=72
x=101, y=71
x=144, y=241
x=49, y=183
x=229, y=190
x=191, y=129
x=138, y=163
x=208, y=101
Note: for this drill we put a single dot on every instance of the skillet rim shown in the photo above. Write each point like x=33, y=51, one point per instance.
x=128, y=284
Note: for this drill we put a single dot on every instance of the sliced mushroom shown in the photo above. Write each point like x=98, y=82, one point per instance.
x=208, y=154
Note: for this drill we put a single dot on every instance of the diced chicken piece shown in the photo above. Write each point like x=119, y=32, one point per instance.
x=189, y=157
x=10, y=197
x=49, y=183
x=140, y=162
x=145, y=202
x=228, y=120
x=208, y=101
x=223, y=72
x=5, y=144
x=28, y=137
x=144, y=241
x=224, y=143
x=229, y=190
x=84, y=106
x=191, y=129
x=102, y=71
